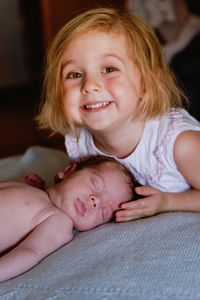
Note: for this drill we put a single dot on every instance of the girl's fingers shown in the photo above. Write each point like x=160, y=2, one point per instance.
x=134, y=210
x=140, y=208
x=123, y=215
x=137, y=204
x=129, y=218
x=146, y=190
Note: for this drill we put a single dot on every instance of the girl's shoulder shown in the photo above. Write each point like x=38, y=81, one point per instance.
x=160, y=133
x=181, y=116
x=172, y=123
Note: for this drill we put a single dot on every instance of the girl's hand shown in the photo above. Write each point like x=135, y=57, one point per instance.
x=154, y=202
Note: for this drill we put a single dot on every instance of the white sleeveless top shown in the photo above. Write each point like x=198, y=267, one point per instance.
x=152, y=162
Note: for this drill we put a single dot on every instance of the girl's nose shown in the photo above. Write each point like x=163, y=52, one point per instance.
x=91, y=84
x=94, y=201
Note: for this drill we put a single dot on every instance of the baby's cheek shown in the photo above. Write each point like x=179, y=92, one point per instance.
x=87, y=222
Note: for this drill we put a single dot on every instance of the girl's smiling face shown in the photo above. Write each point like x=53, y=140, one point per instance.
x=101, y=84
x=92, y=195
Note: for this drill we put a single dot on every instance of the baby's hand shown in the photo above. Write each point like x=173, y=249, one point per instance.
x=154, y=202
x=33, y=180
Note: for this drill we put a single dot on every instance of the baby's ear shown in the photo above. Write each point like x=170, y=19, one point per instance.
x=71, y=168
x=67, y=171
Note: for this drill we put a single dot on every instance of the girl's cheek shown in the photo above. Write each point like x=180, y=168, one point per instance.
x=113, y=82
x=69, y=89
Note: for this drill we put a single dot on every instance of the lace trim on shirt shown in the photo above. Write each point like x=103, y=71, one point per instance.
x=72, y=146
x=161, y=149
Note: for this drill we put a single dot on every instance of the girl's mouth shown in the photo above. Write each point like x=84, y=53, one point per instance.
x=96, y=106
x=80, y=207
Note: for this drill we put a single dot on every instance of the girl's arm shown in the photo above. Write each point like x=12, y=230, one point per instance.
x=48, y=236
x=187, y=159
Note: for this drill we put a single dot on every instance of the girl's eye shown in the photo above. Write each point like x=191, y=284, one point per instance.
x=109, y=69
x=74, y=75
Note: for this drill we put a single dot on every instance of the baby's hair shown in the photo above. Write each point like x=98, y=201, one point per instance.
x=161, y=89
x=98, y=160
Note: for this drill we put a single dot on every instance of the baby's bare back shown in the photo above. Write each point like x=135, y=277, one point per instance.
x=22, y=208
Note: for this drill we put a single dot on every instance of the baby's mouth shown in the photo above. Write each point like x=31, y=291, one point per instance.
x=97, y=105
x=80, y=207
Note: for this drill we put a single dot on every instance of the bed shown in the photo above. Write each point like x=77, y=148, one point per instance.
x=156, y=258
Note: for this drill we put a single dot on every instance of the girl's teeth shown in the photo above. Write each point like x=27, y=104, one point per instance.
x=97, y=105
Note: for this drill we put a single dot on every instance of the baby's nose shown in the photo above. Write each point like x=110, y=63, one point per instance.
x=94, y=201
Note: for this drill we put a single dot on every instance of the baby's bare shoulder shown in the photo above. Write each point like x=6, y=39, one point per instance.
x=15, y=188
x=22, y=208
x=27, y=201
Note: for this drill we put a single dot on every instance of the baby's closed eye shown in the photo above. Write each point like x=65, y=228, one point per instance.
x=97, y=183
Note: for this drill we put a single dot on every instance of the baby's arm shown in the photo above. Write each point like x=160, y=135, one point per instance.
x=48, y=236
x=187, y=158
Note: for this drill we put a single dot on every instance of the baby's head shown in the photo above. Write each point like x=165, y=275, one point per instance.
x=143, y=48
x=92, y=191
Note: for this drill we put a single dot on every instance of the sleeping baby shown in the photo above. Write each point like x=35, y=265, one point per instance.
x=34, y=222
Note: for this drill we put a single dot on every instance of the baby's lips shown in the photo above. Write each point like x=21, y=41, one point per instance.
x=80, y=207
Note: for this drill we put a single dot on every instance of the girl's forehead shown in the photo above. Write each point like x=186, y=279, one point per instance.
x=110, y=39
x=112, y=34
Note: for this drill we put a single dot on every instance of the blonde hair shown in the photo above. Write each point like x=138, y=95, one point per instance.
x=161, y=90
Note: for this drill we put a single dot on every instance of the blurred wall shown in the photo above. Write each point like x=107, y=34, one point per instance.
x=21, y=42
x=12, y=53
x=26, y=28
x=56, y=13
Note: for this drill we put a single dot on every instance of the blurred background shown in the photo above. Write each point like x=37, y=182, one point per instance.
x=26, y=29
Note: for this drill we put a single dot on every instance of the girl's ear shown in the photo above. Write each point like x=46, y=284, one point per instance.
x=143, y=89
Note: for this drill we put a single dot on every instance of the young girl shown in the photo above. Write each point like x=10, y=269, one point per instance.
x=109, y=91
